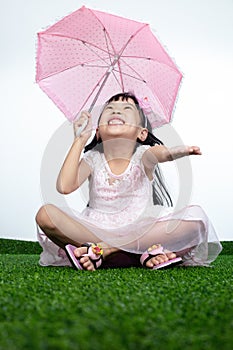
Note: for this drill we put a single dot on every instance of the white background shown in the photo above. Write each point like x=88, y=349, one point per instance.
x=197, y=34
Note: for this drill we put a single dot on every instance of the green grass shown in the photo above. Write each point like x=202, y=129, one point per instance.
x=60, y=308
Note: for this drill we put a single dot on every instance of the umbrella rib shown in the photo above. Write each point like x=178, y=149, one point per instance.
x=121, y=56
x=145, y=58
x=144, y=81
x=112, y=62
x=107, y=44
x=139, y=78
x=152, y=59
x=116, y=60
x=68, y=68
x=77, y=39
x=92, y=65
x=108, y=52
x=93, y=51
x=117, y=80
x=109, y=71
x=104, y=76
x=129, y=75
x=137, y=75
x=121, y=78
x=89, y=46
x=122, y=50
x=106, y=32
x=118, y=55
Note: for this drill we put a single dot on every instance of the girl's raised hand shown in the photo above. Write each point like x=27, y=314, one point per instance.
x=183, y=151
x=83, y=126
x=193, y=150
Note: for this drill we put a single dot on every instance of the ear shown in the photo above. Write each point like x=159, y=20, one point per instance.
x=143, y=133
x=97, y=134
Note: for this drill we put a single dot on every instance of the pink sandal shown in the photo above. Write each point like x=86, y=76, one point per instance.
x=154, y=251
x=94, y=252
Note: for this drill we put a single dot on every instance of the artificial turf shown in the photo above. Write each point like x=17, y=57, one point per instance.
x=60, y=308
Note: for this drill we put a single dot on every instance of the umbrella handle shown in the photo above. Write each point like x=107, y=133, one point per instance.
x=81, y=128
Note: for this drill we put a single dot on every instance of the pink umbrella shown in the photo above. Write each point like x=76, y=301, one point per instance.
x=88, y=56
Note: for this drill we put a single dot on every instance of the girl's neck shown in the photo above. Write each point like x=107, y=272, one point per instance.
x=118, y=149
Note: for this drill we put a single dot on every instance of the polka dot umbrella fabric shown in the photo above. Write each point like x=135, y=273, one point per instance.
x=89, y=55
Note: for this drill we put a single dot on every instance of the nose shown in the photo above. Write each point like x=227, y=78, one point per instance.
x=116, y=111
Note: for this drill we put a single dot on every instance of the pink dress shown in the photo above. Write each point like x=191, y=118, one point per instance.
x=121, y=213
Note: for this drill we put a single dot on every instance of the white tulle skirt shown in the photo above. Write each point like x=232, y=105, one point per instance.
x=188, y=232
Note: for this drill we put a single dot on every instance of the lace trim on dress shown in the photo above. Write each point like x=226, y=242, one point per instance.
x=95, y=158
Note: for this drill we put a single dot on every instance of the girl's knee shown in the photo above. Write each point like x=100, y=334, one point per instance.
x=43, y=217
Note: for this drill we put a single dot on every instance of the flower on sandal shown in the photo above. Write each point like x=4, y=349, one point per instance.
x=154, y=246
x=97, y=249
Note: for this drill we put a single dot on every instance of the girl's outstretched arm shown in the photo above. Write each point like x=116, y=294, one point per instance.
x=161, y=154
x=75, y=171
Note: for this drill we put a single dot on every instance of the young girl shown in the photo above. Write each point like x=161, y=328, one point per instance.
x=126, y=219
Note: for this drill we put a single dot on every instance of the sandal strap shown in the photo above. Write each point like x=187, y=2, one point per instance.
x=96, y=259
x=86, y=245
x=97, y=262
x=151, y=253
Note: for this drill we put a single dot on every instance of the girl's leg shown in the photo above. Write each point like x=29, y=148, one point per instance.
x=178, y=237
x=62, y=229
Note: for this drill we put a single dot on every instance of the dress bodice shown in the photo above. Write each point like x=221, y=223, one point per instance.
x=128, y=193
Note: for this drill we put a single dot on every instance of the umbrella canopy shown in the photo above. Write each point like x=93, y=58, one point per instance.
x=88, y=56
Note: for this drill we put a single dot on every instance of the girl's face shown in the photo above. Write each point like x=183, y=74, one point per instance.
x=120, y=119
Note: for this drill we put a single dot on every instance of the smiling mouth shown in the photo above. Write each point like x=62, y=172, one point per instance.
x=116, y=121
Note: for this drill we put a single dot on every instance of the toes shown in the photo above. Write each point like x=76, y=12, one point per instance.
x=80, y=251
x=161, y=258
x=170, y=255
x=149, y=264
x=86, y=263
x=158, y=259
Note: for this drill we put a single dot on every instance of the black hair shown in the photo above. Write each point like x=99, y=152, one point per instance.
x=161, y=195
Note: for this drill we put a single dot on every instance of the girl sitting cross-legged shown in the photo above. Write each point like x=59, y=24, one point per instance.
x=127, y=221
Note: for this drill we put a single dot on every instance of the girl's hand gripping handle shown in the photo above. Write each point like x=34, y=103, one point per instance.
x=82, y=126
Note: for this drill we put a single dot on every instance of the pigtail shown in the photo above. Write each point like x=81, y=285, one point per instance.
x=161, y=195
x=96, y=144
